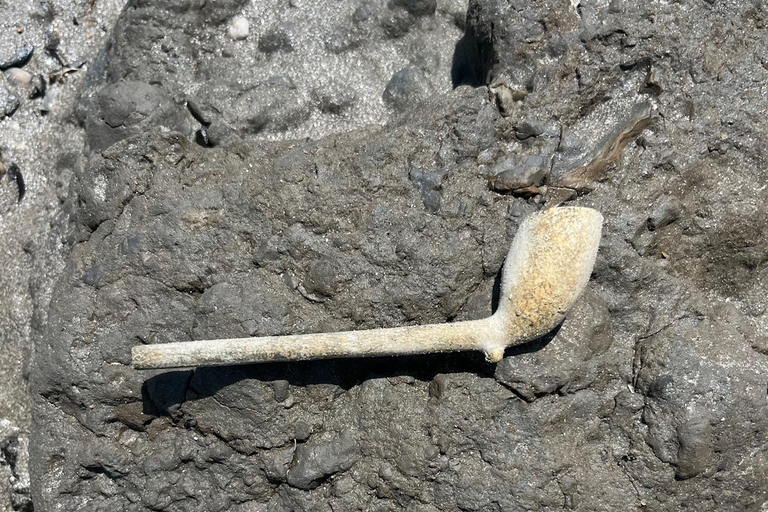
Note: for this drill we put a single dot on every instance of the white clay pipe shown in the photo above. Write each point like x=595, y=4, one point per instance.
x=546, y=269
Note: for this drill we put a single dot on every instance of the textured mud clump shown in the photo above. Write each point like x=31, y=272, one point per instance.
x=183, y=221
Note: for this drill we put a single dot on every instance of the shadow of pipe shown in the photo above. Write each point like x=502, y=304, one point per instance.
x=164, y=393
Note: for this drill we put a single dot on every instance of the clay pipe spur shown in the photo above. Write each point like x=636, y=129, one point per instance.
x=546, y=269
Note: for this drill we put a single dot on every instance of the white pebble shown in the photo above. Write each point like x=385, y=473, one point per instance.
x=239, y=28
x=18, y=77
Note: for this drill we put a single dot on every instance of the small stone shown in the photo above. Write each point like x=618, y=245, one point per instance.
x=438, y=386
x=487, y=156
x=364, y=11
x=132, y=415
x=276, y=464
x=14, y=174
x=18, y=77
x=419, y=7
x=518, y=173
x=322, y=279
x=18, y=60
x=281, y=390
x=652, y=81
x=239, y=28
x=429, y=184
x=9, y=104
x=275, y=41
x=38, y=86
x=665, y=213
x=333, y=100
x=44, y=12
x=218, y=133
x=343, y=40
x=201, y=136
x=406, y=88
x=52, y=40
x=505, y=97
x=46, y=105
x=92, y=275
x=528, y=129
x=314, y=462
x=397, y=23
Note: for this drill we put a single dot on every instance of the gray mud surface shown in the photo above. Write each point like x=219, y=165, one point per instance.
x=233, y=168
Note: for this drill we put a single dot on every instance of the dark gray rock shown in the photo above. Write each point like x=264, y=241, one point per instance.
x=665, y=213
x=334, y=99
x=418, y=7
x=406, y=88
x=345, y=39
x=9, y=103
x=128, y=108
x=430, y=186
x=12, y=187
x=219, y=133
x=10, y=458
x=276, y=40
x=18, y=59
x=365, y=11
x=397, y=23
x=516, y=173
x=695, y=443
x=528, y=129
x=316, y=461
x=274, y=106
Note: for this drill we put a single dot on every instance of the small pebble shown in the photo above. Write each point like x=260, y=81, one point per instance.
x=666, y=212
x=505, y=97
x=274, y=41
x=528, y=129
x=52, y=40
x=201, y=136
x=334, y=99
x=38, y=86
x=46, y=104
x=14, y=174
x=519, y=173
x=44, y=12
x=18, y=77
x=8, y=103
x=366, y=10
x=487, y=156
x=406, y=88
x=281, y=389
x=239, y=28
x=20, y=58
x=419, y=7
